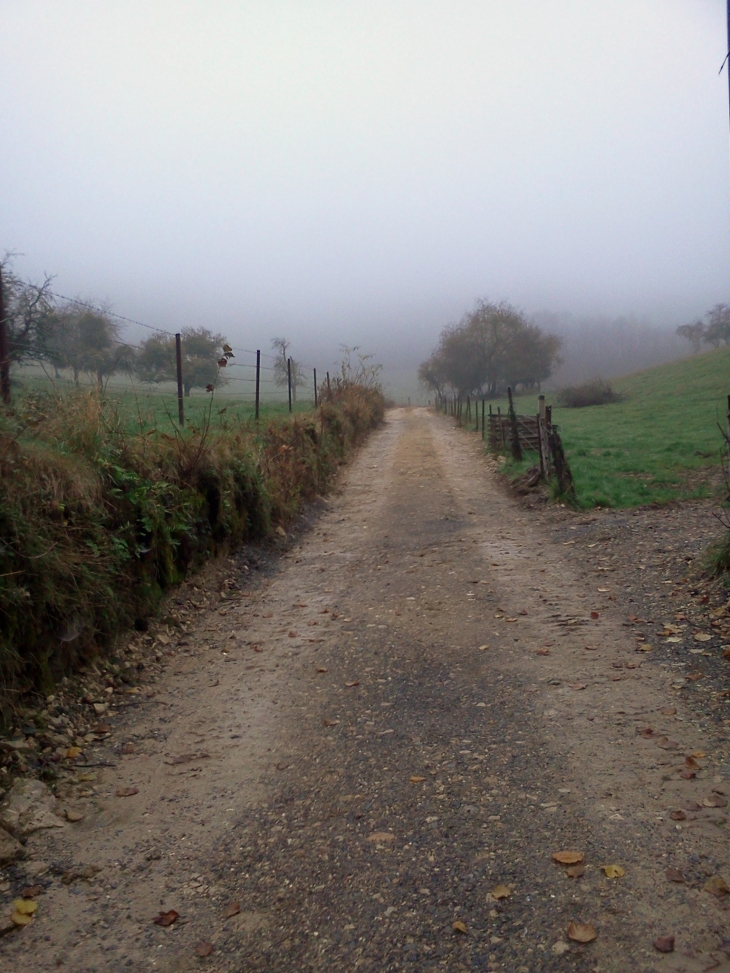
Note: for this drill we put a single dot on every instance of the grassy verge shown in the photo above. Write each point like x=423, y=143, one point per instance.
x=660, y=443
x=96, y=522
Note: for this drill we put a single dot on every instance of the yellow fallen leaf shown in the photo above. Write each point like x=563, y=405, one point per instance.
x=416, y=780
x=18, y=919
x=501, y=892
x=716, y=886
x=459, y=927
x=73, y=752
x=581, y=932
x=26, y=907
x=613, y=871
x=483, y=647
x=568, y=857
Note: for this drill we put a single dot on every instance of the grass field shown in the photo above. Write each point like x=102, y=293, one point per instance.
x=660, y=443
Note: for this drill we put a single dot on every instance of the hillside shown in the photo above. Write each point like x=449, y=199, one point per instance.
x=660, y=443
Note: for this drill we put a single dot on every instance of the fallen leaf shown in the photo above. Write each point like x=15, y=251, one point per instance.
x=686, y=773
x=567, y=857
x=349, y=685
x=166, y=918
x=31, y=891
x=293, y=634
x=674, y=875
x=581, y=932
x=73, y=752
x=380, y=836
x=647, y=733
x=232, y=910
x=666, y=744
x=483, y=647
x=204, y=949
x=668, y=711
x=595, y=615
x=575, y=871
x=665, y=944
x=331, y=722
x=74, y=816
x=26, y=907
x=459, y=927
x=501, y=892
x=613, y=871
x=127, y=791
x=19, y=919
x=542, y=652
x=694, y=676
x=256, y=648
x=416, y=780
x=322, y=669
x=702, y=637
x=714, y=800
x=699, y=754
x=577, y=685
x=691, y=763
x=678, y=816
x=716, y=886
x=644, y=647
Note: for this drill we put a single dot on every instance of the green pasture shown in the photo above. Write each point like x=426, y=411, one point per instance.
x=660, y=443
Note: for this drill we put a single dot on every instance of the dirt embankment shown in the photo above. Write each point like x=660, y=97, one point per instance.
x=366, y=759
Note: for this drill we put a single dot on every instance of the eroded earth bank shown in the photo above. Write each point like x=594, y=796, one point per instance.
x=366, y=760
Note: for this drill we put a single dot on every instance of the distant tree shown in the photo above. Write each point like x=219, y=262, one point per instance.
x=281, y=367
x=28, y=311
x=84, y=339
x=492, y=346
x=694, y=333
x=717, y=328
x=202, y=350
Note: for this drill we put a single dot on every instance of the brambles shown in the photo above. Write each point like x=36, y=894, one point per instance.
x=97, y=521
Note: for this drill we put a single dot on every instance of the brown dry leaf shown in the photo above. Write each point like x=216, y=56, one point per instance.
x=501, y=892
x=575, y=871
x=613, y=871
x=674, y=875
x=694, y=676
x=664, y=944
x=166, y=918
x=127, y=791
x=256, y=648
x=702, y=637
x=715, y=800
x=321, y=669
x=577, y=685
x=18, y=919
x=647, y=733
x=581, y=932
x=666, y=744
x=567, y=857
x=73, y=816
x=73, y=752
x=459, y=927
x=379, y=837
x=31, y=891
x=293, y=634
x=542, y=652
x=726, y=653
x=691, y=763
x=416, y=780
x=699, y=754
x=595, y=615
x=204, y=949
x=687, y=774
x=644, y=647
x=483, y=647
x=26, y=907
x=678, y=816
x=668, y=711
x=355, y=682
x=331, y=722
x=716, y=886
x=232, y=910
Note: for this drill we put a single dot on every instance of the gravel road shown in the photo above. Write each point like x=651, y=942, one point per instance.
x=367, y=760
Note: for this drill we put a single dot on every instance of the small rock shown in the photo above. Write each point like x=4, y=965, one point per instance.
x=74, y=816
x=664, y=944
x=11, y=850
x=28, y=807
x=560, y=947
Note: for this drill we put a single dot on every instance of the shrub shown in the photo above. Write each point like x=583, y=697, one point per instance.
x=595, y=392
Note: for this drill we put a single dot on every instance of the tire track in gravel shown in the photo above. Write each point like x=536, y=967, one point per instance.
x=374, y=773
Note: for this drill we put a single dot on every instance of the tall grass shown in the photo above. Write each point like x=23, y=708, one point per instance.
x=97, y=521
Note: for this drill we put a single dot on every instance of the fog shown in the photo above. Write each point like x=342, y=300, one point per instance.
x=360, y=173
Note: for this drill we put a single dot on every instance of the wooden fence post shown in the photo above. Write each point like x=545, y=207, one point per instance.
x=258, y=383
x=4, y=351
x=542, y=437
x=315, y=387
x=180, y=388
x=516, y=448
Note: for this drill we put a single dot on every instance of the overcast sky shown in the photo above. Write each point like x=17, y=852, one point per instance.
x=362, y=171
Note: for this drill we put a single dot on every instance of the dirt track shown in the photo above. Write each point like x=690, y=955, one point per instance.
x=361, y=771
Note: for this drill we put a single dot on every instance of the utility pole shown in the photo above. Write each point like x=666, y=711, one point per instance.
x=4, y=353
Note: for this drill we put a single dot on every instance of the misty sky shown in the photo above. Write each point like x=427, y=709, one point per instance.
x=362, y=171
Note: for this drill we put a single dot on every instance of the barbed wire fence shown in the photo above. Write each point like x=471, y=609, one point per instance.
x=251, y=377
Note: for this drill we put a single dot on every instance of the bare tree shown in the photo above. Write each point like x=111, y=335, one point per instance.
x=281, y=367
